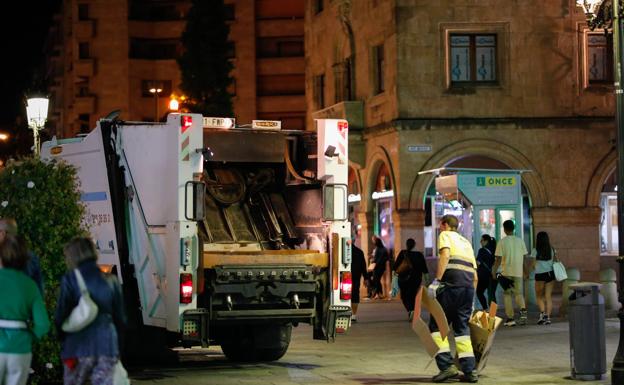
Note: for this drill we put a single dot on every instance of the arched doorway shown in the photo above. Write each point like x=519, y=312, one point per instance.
x=608, y=220
x=489, y=220
x=354, y=199
x=383, y=206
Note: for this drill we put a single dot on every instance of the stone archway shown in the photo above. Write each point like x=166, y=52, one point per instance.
x=605, y=168
x=482, y=147
x=378, y=158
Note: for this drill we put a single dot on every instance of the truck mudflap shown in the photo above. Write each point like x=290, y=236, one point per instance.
x=338, y=321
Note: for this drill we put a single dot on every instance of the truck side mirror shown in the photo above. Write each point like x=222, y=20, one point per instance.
x=335, y=202
x=198, y=201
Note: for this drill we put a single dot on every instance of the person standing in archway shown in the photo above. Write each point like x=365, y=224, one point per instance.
x=510, y=253
x=377, y=267
x=543, y=258
x=485, y=262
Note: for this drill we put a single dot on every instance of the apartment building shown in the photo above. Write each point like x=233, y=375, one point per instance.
x=106, y=55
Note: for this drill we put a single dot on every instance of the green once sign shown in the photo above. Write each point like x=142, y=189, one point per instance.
x=490, y=189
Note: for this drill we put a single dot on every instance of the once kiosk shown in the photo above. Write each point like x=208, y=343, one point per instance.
x=489, y=197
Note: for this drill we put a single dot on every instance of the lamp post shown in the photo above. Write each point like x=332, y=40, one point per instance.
x=156, y=91
x=608, y=14
x=37, y=113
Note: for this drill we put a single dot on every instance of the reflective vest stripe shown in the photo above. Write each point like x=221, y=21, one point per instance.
x=464, y=346
x=461, y=261
x=460, y=267
x=443, y=343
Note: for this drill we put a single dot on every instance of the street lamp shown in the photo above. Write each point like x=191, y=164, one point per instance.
x=37, y=113
x=4, y=137
x=174, y=105
x=156, y=91
x=608, y=14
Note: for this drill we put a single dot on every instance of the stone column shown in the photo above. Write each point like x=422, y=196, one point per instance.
x=575, y=233
x=409, y=224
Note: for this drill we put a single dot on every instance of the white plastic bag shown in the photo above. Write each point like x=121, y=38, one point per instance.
x=120, y=375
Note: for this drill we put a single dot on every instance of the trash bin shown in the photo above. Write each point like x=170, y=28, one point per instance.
x=586, y=312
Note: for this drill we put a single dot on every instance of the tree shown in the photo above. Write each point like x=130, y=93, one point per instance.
x=204, y=64
x=45, y=201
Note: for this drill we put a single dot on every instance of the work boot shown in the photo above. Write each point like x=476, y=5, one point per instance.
x=446, y=374
x=523, y=317
x=471, y=377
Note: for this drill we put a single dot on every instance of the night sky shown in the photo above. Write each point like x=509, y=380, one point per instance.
x=24, y=28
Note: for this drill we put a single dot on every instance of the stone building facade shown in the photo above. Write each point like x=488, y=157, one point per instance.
x=488, y=84
x=105, y=55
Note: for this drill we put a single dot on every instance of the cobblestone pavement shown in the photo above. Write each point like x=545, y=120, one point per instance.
x=381, y=349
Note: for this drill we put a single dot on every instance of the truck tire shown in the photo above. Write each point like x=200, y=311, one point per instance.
x=256, y=343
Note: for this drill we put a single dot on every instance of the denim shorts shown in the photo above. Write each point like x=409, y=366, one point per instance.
x=548, y=276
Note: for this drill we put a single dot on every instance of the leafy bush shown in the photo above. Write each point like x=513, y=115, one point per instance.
x=45, y=201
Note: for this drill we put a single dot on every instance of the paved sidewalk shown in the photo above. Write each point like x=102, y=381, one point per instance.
x=381, y=349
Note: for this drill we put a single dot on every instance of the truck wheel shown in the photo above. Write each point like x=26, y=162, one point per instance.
x=257, y=343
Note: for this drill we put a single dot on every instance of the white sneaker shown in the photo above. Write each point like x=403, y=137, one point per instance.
x=353, y=318
x=510, y=322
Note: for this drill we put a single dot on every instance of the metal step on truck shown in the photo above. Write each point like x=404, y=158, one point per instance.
x=220, y=235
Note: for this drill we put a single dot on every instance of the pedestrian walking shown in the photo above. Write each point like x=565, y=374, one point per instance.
x=485, y=263
x=92, y=352
x=410, y=267
x=510, y=253
x=8, y=226
x=358, y=271
x=454, y=287
x=543, y=256
x=21, y=305
x=377, y=267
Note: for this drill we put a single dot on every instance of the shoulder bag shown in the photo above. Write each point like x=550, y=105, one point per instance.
x=84, y=313
x=406, y=264
x=559, y=270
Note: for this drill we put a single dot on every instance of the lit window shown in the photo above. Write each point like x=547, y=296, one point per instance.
x=473, y=58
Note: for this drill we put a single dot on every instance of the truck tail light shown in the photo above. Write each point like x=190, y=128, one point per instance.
x=186, y=288
x=346, y=285
x=186, y=121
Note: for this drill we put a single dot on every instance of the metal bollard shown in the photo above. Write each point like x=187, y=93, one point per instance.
x=608, y=280
x=574, y=276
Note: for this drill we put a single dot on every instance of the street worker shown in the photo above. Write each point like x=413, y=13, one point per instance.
x=454, y=287
x=510, y=253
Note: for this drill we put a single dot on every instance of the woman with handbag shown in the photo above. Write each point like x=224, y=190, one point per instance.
x=543, y=256
x=410, y=267
x=21, y=305
x=91, y=353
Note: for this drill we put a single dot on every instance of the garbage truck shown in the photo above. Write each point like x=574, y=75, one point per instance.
x=219, y=234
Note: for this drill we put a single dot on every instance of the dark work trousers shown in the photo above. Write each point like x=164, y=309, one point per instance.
x=457, y=304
